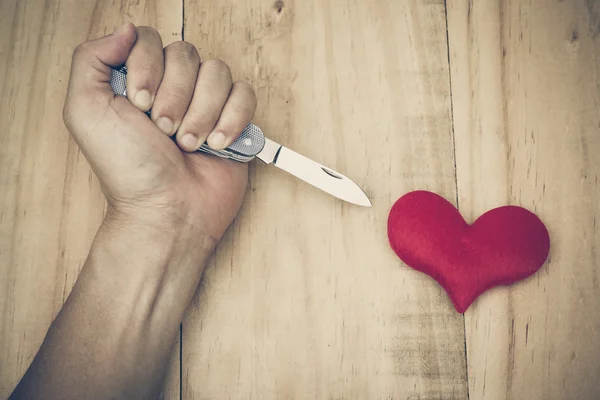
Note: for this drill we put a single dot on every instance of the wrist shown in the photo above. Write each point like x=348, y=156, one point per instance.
x=151, y=261
x=125, y=309
x=171, y=218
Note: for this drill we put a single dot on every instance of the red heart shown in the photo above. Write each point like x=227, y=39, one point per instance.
x=503, y=246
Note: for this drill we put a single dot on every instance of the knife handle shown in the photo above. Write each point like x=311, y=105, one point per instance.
x=250, y=142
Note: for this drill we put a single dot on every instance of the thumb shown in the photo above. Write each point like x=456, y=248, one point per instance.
x=113, y=50
x=92, y=61
x=89, y=91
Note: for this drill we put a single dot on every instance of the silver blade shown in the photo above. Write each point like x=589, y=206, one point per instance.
x=314, y=173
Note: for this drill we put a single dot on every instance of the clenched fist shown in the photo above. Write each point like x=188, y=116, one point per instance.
x=168, y=207
x=149, y=167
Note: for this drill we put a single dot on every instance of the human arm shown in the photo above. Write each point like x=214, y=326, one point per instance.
x=167, y=209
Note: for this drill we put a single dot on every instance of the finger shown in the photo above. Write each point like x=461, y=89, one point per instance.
x=174, y=95
x=89, y=85
x=212, y=89
x=236, y=115
x=145, y=66
x=92, y=60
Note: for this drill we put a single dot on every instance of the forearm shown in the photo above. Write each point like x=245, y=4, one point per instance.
x=115, y=333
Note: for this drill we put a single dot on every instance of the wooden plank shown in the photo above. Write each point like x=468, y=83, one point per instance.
x=525, y=92
x=50, y=202
x=304, y=298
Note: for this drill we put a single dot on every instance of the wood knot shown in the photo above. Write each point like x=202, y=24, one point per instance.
x=278, y=6
x=574, y=35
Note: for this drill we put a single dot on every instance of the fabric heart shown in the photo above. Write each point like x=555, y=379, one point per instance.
x=503, y=246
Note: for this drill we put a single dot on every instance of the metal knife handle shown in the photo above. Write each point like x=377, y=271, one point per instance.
x=250, y=142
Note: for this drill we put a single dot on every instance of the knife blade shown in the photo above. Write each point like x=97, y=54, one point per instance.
x=312, y=172
x=252, y=143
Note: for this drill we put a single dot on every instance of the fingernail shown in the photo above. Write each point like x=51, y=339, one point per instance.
x=120, y=30
x=189, y=141
x=143, y=100
x=216, y=141
x=165, y=125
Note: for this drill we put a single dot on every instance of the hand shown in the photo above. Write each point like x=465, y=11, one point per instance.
x=144, y=173
x=170, y=205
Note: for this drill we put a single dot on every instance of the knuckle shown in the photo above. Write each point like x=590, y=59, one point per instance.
x=177, y=93
x=184, y=51
x=247, y=89
x=201, y=120
x=67, y=115
x=245, y=86
x=198, y=130
x=236, y=118
x=239, y=111
x=218, y=67
x=210, y=114
x=81, y=50
x=70, y=113
x=147, y=70
x=148, y=30
x=205, y=119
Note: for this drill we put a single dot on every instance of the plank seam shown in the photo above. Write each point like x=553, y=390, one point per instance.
x=455, y=177
x=182, y=19
x=181, y=324
x=181, y=361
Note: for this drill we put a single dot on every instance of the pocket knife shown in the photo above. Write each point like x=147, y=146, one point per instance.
x=252, y=143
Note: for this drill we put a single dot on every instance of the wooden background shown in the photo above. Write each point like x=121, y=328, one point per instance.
x=486, y=103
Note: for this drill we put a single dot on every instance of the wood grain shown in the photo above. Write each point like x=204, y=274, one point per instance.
x=50, y=202
x=525, y=92
x=304, y=298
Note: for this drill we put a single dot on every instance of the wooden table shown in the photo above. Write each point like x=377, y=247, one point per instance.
x=486, y=103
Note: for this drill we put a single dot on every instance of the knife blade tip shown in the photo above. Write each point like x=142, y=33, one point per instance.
x=363, y=201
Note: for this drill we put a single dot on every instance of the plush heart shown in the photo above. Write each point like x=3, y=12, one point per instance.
x=504, y=245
